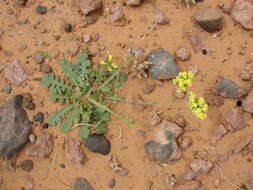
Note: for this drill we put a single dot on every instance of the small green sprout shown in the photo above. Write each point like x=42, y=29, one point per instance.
x=197, y=105
x=183, y=80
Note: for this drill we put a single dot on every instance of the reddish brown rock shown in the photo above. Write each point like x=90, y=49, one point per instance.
x=242, y=12
x=197, y=41
x=88, y=6
x=42, y=147
x=116, y=14
x=160, y=17
x=243, y=142
x=186, y=142
x=218, y=132
x=193, y=185
x=14, y=73
x=248, y=103
x=201, y=166
x=183, y=54
x=73, y=151
x=233, y=119
x=189, y=175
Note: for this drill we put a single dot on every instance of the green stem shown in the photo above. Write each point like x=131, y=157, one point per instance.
x=126, y=119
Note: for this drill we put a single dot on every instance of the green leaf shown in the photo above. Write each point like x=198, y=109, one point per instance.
x=106, y=89
x=84, y=132
x=72, y=118
x=59, y=115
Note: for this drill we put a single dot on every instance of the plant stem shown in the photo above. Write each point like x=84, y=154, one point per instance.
x=108, y=80
x=126, y=119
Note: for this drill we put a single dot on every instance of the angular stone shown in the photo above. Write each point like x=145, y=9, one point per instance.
x=88, y=6
x=98, y=143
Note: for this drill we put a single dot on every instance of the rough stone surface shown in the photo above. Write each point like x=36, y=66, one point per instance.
x=183, y=54
x=163, y=66
x=218, y=132
x=197, y=41
x=248, y=103
x=116, y=14
x=164, y=145
x=14, y=126
x=210, y=19
x=160, y=17
x=228, y=89
x=82, y=184
x=73, y=151
x=242, y=12
x=42, y=147
x=133, y=2
x=14, y=73
x=26, y=165
x=233, y=119
x=136, y=51
x=201, y=166
x=88, y=6
x=242, y=143
x=98, y=143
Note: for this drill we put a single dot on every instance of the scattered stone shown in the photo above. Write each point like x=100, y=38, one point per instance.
x=82, y=184
x=91, y=19
x=27, y=101
x=41, y=9
x=62, y=165
x=26, y=165
x=45, y=125
x=246, y=76
x=164, y=146
x=228, y=89
x=73, y=151
x=88, y=6
x=186, y=142
x=140, y=133
x=218, y=132
x=248, y=103
x=28, y=182
x=21, y=3
x=15, y=126
x=242, y=12
x=241, y=144
x=2, y=31
x=222, y=157
x=14, y=73
x=124, y=172
x=67, y=27
x=136, y=51
x=133, y=2
x=42, y=147
x=183, y=54
x=200, y=166
x=38, y=58
x=154, y=119
x=7, y=89
x=116, y=14
x=86, y=38
x=193, y=185
x=210, y=19
x=149, y=88
x=31, y=138
x=180, y=121
x=95, y=37
x=45, y=68
x=38, y=117
x=216, y=183
x=197, y=41
x=112, y=183
x=160, y=17
x=163, y=66
x=233, y=119
x=189, y=175
x=98, y=143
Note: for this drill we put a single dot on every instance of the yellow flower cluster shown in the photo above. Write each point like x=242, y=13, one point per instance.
x=197, y=105
x=183, y=80
x=108, y=62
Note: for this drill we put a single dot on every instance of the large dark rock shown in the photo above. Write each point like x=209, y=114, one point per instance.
x=228, y=89
x=210, y=19
x=163, y=66
x=14, y=127
x=98, y=143
x=82, y=184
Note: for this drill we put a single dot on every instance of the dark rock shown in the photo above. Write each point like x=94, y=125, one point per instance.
x=45, y=68
x=14, y=125
x=7, y=89
x=38, y=117
x=45, y=125
x=42, y=147
x=112, y=183
x=62, y=165
x=242, y=12
x=136, y=51
x=162, y=66
x=183, y=54
x=160, y=17
x=248, y=103
x=14, y=73
x=67, y=27
x=133, y=2
x=228, y=89
x=26, y=165
x=164, y=146
x=210, y=19
x=88, y=6
x=82, y=184
x=41, y=9
x=38, y=57
x=233, y=119
x=98, y=143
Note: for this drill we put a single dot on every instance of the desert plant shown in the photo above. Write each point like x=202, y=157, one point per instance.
x=83, y=94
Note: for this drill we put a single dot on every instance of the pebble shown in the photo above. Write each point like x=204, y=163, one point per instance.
x=180, y=121
x=41, y=9
x=216, y=183
x=140, y=132
x=32, y=138
x=123, y=172
x=38, y=57
x=7, y=89
x=38, y=117
x=183, y=54
x=68, y=28
x=86, y=38
x=26, y=165
x=246, y=76
x=62, y=165
x=45, y=125
x=112, y=183
x=45, y=68
x=95, y=37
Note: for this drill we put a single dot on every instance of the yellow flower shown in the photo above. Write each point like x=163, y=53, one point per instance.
x=109, y=69
x=115, y=66
x=103, y=63
x=110, y=58
x=197, y=105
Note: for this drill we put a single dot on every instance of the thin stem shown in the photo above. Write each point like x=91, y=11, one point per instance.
x=108, y=80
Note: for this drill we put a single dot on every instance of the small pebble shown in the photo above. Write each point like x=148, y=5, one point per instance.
x=30, y=106
x=38, y=117
x=180, y=121
x=246, y=76
x=45, y=125
x=38, y=57
x=26, y=165
x=45, y=68
x=112, y=183
x=216, y=183
x=86, y=38
x=183, y=54
x=95, y=37
x=62, y=165
x=41, y=9
x=32, y=138
x=67, y=27
x=140, y=132
x=7, y=89
x=123, y=172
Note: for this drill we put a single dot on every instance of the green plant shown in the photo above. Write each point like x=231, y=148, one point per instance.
x=197, y=105
x=83, y=94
